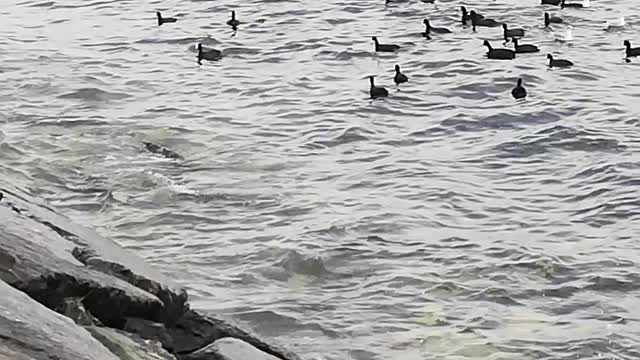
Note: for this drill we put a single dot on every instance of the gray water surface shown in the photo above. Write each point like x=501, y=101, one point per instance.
x=447, y=221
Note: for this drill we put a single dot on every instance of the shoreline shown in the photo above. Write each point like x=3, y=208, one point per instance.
x=96, y=292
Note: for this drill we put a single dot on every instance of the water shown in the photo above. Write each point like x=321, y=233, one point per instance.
x=445, y=222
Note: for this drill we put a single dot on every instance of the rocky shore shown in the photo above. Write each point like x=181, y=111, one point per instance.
x=68, y=293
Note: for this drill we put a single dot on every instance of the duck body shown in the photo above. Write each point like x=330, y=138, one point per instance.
x=563, y=4
x=209, y=54
x=476, y=21
x=511, y=33
x=629, y=51
x=377, y=91
x=467, y=16
x=559, y=62
x=499, y=54
x=233, y=22
x=400, y=78
x=551, y=2
x=524, y=48
x=436, y=30
x=384, y=47
x=162, y=20
x=519, y=92
x=548, y=20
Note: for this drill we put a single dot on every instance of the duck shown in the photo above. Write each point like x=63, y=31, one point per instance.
x=466, y=16
x=568, y=35
x=436, y=30
x=1, y=195
x=499, y=54
x=209, y=54
x=548, y=20
x=629, y=51
x=400, y=77
x=233, y=22
x=519, y=92
x=558, y=63
x=524, y=48
x=583, y=4
x=377, y=91
x=511, y=33
x=162, y=20
x=384, y=47
x=551, y=2
x=476, y=21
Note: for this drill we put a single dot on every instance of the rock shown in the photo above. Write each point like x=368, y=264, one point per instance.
x=74, y=310
x=161, y=150
x=39, y=262
x=230, y=349
x=195, y=331
x=30, y=331
x=73, y=270
x=92, y=250
x=129, y=347
x=150, y=330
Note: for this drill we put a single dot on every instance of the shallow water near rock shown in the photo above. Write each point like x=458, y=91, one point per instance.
x=447, y=221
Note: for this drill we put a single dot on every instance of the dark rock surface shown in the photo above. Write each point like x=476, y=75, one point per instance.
x=94, y=282
x=29, y=330
x=128, y=346
x=230, y=349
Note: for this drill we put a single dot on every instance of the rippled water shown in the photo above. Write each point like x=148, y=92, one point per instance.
x=445, y=222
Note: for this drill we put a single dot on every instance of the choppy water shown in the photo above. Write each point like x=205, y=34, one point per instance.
x=445, y=222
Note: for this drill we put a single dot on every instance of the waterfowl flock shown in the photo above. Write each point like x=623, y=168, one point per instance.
x=468, y=17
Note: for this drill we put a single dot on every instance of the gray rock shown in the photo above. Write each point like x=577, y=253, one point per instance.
x=230, y=349
x=30, y=331
x=150, y=330
x=97, y=252
x=39, y=262
x=195, y=331
x=74, y=310
x=128, y=346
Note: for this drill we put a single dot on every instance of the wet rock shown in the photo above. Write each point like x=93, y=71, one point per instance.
x=161, y=150
x=71, y=269
x=195, y=331
x=74, y=310
x=128, y=346
x=230, y=349
x=93, y=251
x=29, y=330
x=39, y=262
x=150, y=330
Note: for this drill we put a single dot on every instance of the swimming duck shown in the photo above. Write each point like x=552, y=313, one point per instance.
x=511, y=33
x=162, y=20
x=583, y=4
x=476, y=21
x=550, y=2
x=499, y=54
x=384, y=47
x=519, y=92
x=377, y=91
x=559, y=62
x=466, y=16
x=233, y=22
x=524, y=48
x=548, y=20
x=400, y=77
x=629, y=51
x=436, y=30
x=209, y=54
